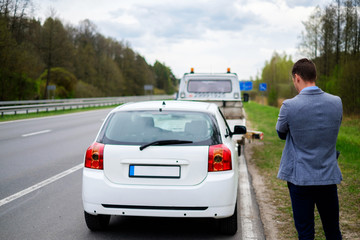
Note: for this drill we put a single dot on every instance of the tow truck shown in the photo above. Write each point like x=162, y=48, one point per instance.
x=222, y=89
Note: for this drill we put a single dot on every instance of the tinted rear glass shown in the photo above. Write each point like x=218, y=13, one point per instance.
x=209, y=86
x=141, y=127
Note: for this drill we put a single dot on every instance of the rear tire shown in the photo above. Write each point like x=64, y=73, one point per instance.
x=96, y=222
x=229, y=225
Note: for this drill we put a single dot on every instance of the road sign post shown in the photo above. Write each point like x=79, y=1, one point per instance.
x=262, y=88
x=148, y=87
x=51, y=90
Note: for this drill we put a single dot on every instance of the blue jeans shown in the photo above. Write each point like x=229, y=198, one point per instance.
x=303, y=201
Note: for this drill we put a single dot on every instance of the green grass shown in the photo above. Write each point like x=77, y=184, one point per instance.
x=13, y=117
x=267, y=158
x=349, y=191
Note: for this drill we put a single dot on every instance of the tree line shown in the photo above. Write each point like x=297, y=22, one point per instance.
x=332, y=40
x=76, y=61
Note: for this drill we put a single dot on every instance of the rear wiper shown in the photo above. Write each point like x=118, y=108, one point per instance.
x=164, y=142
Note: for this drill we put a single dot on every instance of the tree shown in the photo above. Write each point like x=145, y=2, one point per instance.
x=87, y=32
x=95, y=65
x=7, y=43
x=349, y=87
x=310, y=39
x=56, y=47
x=350, y=35
x=328, y=39
x=338, y=32
x=338, y=59
x=164, y=77
x=276, y=74
x=17, y=54
x=15, y=12
x=64, y=81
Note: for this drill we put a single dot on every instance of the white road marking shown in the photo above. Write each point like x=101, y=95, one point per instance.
x=40, y=185
x=246, y=208
x=36, y=133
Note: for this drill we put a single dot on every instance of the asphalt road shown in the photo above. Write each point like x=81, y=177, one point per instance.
x=34, y=151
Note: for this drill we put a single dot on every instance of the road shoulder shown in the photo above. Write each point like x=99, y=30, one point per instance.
x=264, y=196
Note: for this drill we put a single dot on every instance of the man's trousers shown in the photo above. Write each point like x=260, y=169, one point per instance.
x=303, y=201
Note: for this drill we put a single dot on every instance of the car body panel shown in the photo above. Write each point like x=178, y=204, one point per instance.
x=193, y=170
x=217, y=194
x=195, y=193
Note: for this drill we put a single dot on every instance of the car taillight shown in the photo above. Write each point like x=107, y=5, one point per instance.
x=219, y=158
x=94, y=157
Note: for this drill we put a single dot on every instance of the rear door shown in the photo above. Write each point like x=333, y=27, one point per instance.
x=174, y=164
x=156, y=165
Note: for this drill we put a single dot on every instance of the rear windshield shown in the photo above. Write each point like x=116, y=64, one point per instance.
x=141, y=127
x=209, y=86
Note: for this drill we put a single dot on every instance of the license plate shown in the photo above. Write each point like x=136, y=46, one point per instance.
x=154, y=171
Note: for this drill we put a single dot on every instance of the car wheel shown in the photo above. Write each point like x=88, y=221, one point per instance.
x=229, y=225
x=96, y=222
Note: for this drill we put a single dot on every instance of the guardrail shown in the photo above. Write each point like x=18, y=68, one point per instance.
x=16, y=107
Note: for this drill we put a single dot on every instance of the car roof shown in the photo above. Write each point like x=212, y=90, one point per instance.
x=168, y=105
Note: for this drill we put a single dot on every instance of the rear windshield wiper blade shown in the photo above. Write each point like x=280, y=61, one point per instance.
x=164, y=142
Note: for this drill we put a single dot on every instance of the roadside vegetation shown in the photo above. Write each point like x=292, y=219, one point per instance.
x=267, y=157
x=331, y=38
x=49, y=59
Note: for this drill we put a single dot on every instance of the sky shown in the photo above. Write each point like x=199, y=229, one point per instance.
x=208, y=35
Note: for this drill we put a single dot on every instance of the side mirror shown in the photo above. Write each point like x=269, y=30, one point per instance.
x=238, y=129
x=245, y=97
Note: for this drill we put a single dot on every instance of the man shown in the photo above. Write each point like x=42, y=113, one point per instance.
x=310, y=123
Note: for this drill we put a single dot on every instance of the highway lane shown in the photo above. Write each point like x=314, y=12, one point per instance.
x=35, y=150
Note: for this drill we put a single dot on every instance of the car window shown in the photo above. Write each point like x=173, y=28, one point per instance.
x=140, y=127
x=209, y=86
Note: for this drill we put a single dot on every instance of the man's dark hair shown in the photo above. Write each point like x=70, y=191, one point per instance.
x=306, y=69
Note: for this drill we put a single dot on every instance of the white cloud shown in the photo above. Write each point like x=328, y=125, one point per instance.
x=209, y=35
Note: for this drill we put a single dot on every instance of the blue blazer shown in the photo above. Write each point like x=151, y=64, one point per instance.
x=310, y=124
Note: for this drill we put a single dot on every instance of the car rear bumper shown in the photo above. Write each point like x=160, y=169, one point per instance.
x=215, y=197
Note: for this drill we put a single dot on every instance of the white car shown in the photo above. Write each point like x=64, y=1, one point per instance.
x=163, y=159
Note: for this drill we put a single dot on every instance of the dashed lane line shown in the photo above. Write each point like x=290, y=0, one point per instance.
x=36, y=133
x=39, y=185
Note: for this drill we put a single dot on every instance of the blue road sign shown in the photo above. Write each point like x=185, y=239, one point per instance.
x=241, y=86
x=246, y=86
x=262, y=87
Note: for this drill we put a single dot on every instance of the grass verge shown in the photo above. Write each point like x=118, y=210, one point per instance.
x=267, y=159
